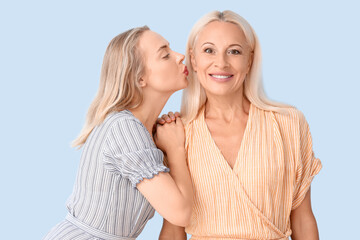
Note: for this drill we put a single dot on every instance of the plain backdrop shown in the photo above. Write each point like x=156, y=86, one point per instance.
x=50, y=58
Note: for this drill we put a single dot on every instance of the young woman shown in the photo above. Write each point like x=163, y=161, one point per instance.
x=122, y=178
x=250, y=159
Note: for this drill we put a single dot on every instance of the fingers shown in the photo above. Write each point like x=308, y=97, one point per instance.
x=154, y=129
x=160, y=121
x=166, y=118
x=179, y=122
x=172, y=116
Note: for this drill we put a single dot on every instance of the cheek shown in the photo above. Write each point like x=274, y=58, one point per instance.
x=169, y=71
x=240, y=66
x=164, y=76
x=202, y=63
x=202, y=67
x=244, y=64
x=159, y=69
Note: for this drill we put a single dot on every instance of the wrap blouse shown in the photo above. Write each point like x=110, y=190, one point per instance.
x=271, y=176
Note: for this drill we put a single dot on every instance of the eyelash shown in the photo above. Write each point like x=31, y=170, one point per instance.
x=235, y=50
x=229, y=51
x=206, y=50
x=167, y=56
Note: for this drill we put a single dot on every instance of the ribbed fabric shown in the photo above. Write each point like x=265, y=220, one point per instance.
x=271, y=175
x=117, y=155
x=93, y=231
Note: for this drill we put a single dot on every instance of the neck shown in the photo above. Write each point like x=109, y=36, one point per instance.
x=227, y=107
x=150, y=109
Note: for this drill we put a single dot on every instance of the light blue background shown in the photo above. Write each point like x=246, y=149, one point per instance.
x=50, y=58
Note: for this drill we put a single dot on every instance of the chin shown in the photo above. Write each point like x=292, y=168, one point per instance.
x=184, y=83
x=220, y=92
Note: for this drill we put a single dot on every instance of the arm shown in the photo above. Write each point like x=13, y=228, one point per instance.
x=171, y=194
x=172, y=232
x=168, y=230
x=303, y=222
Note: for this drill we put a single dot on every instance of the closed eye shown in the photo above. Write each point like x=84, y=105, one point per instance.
x=166, y=56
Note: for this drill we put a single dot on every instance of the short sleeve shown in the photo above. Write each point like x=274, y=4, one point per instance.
x=130, y=152
x=307, y=164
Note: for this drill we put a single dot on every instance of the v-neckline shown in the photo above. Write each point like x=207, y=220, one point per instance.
x=208, y=133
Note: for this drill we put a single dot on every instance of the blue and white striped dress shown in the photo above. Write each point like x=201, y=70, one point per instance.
x=105, y=203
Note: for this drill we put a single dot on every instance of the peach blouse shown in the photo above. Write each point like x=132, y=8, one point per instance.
x=272, y=173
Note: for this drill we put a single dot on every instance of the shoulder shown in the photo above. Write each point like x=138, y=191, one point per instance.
x=291, y=123
x=188, y=127
x=195, y=123
x=127, y=133
x=290, y=117
x=192, y=127
x=124, y=118
x=189, y=132
x=126, y=125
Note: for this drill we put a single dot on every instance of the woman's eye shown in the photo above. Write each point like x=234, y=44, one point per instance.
x=167, y=56
x=234, y=51
x=208, y=50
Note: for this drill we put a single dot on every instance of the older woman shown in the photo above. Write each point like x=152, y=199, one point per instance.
x=250, y=159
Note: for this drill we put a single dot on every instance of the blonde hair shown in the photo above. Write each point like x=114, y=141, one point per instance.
x=194, y=96
x=118, y=90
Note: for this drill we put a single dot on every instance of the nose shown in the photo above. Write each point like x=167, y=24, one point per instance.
x=180, y=57
x=221, y=60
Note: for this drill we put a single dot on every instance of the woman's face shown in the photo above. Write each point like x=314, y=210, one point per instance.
x=164, y=70
x=221, y=58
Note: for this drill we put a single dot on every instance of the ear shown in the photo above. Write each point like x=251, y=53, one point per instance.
x=142, y=82
x=192, y=60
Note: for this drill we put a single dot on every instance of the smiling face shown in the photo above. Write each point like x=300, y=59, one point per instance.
x=221, y=58
x=164, y=70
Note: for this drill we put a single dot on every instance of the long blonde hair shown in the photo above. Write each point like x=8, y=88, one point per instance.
x=194, y=96
x=118, y=90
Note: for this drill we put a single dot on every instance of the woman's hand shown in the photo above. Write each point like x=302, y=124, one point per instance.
x=170, y=137
x=167, y=118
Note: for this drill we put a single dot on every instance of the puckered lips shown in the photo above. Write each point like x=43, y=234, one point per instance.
x=186, y=72
x=221, y=76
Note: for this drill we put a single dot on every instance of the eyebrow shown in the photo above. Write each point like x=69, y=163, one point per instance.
x=163, y=47
x=231, y=45
x=207, y=43
x=235, y=44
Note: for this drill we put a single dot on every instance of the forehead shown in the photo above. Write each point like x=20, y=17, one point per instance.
x=150, y=42
x=221, y=33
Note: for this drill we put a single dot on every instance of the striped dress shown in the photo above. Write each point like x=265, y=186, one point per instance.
x=272, y=173
x=105, y=203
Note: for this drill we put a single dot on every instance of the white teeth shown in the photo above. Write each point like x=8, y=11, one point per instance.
x=221, y=76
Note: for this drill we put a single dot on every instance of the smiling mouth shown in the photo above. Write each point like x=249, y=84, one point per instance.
x=221, y=76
